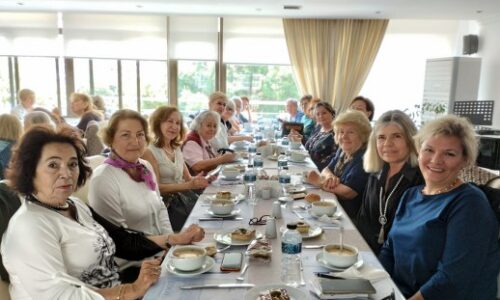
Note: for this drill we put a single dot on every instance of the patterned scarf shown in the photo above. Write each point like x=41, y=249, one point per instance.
x=145, y=175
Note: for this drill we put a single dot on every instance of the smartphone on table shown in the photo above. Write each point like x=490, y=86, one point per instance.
x=231, y=262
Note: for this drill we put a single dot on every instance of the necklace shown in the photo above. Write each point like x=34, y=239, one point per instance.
x=442, y=190
x=63, y=207
x=382, y=219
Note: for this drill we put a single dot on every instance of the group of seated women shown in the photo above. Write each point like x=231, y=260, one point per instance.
x=435, y=234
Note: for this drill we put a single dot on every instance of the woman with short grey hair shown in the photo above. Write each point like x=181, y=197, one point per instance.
x=199, y=155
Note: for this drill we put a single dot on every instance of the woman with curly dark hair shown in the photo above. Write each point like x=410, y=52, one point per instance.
x=53, y=248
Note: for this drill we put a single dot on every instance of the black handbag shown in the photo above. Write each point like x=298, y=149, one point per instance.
x=130, y=244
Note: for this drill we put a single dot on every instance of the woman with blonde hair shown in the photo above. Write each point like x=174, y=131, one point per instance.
x=83, y=107
x=344, y=176
x=10, y=132
x=391, y=160
x=443, y=243
x=176, y=185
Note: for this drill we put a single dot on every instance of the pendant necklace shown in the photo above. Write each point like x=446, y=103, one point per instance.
x=382, y=219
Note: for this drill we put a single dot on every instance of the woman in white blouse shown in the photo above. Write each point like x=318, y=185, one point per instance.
x=124, y=188
x=53, y=248
x=175, y=183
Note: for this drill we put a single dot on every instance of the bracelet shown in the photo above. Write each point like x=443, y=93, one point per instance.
x=167, y=244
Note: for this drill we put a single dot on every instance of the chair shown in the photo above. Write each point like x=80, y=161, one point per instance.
x=4, y=290
x=94, y=143
x=83, y=192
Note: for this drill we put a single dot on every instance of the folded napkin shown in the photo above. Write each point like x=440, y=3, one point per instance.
x=365, y=272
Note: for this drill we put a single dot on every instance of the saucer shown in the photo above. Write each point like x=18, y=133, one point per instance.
x=230, y=178
x=320, y=259
x=335, y=216
x=209, y=263
x=297, y=161
x=234, y=213
x=225, y=238
x=294, y=293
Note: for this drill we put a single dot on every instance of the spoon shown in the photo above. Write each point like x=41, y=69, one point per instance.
x=341, y=238
x=242, y=273
x=219, y=250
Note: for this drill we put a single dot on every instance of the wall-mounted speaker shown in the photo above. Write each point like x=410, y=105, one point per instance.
x=470, y=44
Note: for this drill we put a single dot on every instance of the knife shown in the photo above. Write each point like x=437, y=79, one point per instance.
x=313, y=246
x=220, y=219
x=218, y=286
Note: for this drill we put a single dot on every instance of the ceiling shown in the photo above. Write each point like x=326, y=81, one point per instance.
x=391, y=9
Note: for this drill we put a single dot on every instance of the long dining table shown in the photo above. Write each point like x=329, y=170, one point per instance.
x=265, y=272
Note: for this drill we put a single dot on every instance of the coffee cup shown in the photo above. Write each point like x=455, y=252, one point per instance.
x=230, y=172
x=320, y=208
x=222, y=207
x=297, y=155
x=333, y=255
x=188, y=258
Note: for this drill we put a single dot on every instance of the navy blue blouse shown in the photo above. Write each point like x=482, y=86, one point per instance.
x=321, y=147
x=445, y=245
x=353, y=176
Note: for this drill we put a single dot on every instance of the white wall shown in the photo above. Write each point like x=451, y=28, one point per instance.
x=396, y=80
x=489, y=50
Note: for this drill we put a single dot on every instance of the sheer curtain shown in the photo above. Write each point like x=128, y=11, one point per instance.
x=332, y=58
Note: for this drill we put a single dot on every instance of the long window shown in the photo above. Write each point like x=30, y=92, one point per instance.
x=196, y=81
x=267, y=85
x=81, y=75
x=153, y=77
x=105, y=73
x=5, y=96
x=39, y=74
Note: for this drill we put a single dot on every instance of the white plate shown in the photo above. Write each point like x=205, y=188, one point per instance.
x=225, y=238
x=294, y=293
x=296, y=189
x=209, y=263
x=235, y=198
x=222, y=177
x=272, y=157
x=336, y=215
x=322, y=262
x=298, y=161
x=313, y=232
x=234, y=213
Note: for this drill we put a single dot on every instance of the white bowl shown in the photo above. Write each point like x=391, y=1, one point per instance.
x=320, y=208
x=333, y=256
x=188, y=258
x=222, y=207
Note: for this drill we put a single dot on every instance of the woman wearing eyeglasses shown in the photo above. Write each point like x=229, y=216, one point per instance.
x=199, y=154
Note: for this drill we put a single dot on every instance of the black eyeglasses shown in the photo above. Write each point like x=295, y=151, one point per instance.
x=258, y=221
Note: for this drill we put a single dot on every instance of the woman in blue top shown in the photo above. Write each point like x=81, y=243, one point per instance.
x=344, y=176
x=444, y=240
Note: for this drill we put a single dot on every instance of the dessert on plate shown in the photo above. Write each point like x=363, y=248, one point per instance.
x=243, y=234
x=223, y=195
x=274, y=294
x=303, y=227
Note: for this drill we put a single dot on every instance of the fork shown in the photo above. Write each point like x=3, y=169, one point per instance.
x=219, y=250
x=302, y=281
x=298, y=215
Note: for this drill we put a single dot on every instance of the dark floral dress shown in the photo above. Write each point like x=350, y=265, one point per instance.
x=321, y=147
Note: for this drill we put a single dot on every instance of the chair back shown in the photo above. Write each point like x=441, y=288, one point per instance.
x=94, y=143
x=83, y=192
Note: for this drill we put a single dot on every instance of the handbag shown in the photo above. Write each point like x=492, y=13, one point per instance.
x=130, y=244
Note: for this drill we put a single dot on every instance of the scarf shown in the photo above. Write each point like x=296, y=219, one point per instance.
x=145, y=175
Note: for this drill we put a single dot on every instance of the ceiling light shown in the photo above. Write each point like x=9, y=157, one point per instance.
x=378, y=12
x=258, y=9
x=292, y=7
x=20, y=3
x=479, y=11
x=139, y=6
